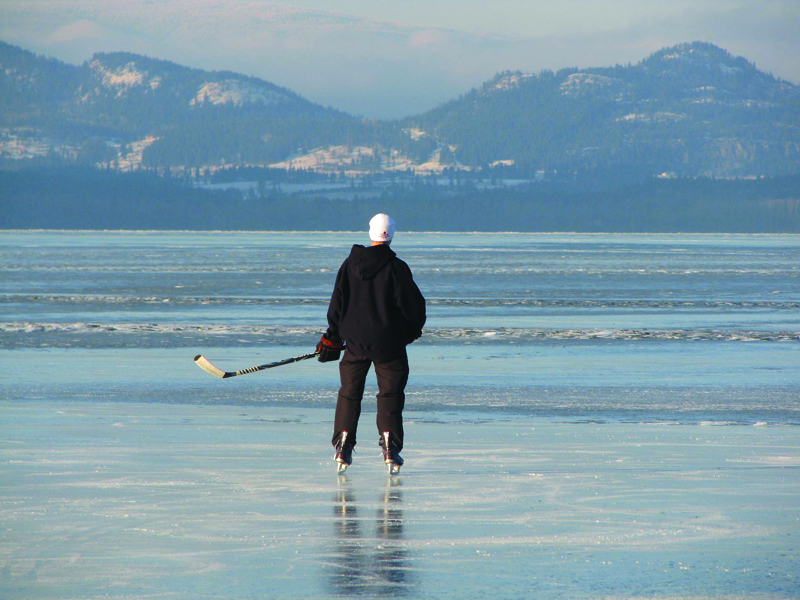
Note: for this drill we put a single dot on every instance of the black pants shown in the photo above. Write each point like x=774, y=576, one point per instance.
x=392, y=378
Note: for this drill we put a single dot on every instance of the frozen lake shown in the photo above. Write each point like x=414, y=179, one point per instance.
x=589, y=416
x=126, y=500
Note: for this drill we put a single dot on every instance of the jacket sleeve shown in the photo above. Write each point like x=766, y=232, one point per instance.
x=338, y=300
x=410, y=302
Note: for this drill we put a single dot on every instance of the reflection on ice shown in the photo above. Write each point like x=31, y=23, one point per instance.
x=361, y=565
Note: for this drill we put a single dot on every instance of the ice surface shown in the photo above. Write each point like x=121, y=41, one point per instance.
x=588, y=416
x=113, y=500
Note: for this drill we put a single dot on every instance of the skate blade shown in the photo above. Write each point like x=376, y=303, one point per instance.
x=394, y=469
x=341, y=467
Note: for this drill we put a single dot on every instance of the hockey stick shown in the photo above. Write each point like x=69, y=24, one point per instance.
x=202, y=362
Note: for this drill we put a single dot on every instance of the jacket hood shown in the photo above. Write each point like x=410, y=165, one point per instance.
x=367, y=262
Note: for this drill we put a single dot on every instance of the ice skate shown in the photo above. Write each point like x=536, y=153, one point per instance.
x=344, y=453
x=391, y=455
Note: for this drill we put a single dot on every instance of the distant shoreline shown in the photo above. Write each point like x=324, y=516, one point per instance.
x=89, y=199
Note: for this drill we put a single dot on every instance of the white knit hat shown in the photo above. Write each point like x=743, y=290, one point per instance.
x=381, y=228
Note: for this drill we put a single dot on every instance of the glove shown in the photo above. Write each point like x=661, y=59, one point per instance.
x=330, y=347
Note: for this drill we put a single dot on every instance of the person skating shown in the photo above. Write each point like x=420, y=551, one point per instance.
x=376, y=310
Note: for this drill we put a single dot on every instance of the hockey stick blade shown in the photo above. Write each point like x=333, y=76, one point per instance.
x=202, y=362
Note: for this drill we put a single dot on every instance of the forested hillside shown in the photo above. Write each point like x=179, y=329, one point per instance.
x=691, y=110
x=96, y=112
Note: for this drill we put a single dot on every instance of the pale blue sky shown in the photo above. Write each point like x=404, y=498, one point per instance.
x=513, y=17
x=391, y=58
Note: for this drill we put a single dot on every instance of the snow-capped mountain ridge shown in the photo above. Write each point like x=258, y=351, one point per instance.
x=692, y=109
x=125, y=73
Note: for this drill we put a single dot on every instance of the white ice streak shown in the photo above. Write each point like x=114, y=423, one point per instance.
x=656, y=117
x=163, y=328
x=437, y=302
x=433, y=335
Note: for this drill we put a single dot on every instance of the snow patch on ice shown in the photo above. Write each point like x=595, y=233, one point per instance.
x=656, y=117
x=771, y=461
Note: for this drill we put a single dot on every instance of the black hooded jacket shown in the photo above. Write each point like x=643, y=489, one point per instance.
x=376, y=307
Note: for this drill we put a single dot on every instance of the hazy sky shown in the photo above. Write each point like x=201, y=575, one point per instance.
x=391, y=58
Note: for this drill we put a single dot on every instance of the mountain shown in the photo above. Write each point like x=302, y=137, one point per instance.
x=689, y=110
x=386, y=65
x=127, y=110
x=692, y=109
